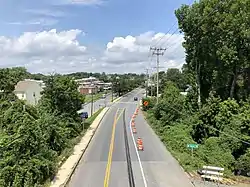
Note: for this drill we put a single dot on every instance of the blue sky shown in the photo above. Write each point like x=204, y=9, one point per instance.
x=100, y=21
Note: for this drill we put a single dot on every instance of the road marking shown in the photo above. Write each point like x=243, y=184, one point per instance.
x=138, y=156
x=111, y=148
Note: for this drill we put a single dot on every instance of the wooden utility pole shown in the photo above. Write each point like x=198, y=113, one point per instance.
x=147, y=82
x=157, y=52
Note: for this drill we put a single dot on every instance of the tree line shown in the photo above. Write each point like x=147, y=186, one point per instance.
x=216, y=71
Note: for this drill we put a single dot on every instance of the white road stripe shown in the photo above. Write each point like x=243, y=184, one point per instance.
x=138, y=156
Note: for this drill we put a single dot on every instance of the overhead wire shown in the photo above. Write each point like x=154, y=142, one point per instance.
x=168, y=32
x=212, y=12
x=204, y=18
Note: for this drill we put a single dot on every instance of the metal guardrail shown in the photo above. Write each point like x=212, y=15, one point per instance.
x=212, y=173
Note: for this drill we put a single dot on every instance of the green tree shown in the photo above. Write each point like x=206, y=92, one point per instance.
x=216, y=42
x=171, y=105
x=176, y=76
x=25, y=158
x=9, y=77
x=61, y=97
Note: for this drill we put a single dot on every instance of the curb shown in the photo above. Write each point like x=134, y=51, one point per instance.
x=66, y=181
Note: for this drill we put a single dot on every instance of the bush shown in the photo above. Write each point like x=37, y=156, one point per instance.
x=243, y=164
x=220, y=127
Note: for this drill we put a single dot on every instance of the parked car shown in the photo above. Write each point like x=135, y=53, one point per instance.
x=135, y=98
x=84, y=115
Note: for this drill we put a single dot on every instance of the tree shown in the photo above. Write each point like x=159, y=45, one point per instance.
x=25, y=158
x=9, y=77
x=61, y=97
x=176, y=76
x=170, y=106
x=216, y=43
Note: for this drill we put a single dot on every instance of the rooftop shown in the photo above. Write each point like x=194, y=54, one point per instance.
x=22, y=86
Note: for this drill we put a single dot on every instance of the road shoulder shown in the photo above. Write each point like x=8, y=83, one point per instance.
x=67, y=169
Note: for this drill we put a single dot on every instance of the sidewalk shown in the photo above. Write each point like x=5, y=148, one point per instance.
x=67, y=169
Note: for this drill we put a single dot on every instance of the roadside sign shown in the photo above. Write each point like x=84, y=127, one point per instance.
x=193, y=146
x=145, y=103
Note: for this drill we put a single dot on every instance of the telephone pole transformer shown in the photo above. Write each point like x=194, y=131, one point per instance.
x=157, y=52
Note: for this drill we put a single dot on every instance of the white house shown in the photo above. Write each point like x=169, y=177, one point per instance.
x=29, y=90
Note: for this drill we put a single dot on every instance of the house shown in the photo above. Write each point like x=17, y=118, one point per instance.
x=29, y=90
x=87, y=89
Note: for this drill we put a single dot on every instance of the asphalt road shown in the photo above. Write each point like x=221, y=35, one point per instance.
x=97, y=105
x=105, y=164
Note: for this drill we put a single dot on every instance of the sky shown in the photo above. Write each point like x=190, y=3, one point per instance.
x=112, y=36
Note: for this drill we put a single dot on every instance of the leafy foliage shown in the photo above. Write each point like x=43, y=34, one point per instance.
x=33, y=138
x=217, y=45
x=220, y=127
x=217, y=55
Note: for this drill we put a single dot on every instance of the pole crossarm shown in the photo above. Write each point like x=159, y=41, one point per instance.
x=157, y=51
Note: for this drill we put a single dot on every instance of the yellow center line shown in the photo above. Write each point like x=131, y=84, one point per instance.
x=111, y=147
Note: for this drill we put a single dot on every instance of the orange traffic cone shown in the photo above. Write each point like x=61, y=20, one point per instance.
x=140, y=147
x=134, y=130
x=140, y=144
x=139, y=141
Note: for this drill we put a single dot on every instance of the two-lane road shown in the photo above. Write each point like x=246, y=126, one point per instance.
x=105, y=161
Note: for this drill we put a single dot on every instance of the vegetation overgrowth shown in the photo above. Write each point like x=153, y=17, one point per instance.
x=215, y=112
x=35, y=140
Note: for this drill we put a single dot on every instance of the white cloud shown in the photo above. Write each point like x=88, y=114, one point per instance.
x=45, y=12
x=50, y=51
x=42, y=51
x=135, y=49
x=41, y=21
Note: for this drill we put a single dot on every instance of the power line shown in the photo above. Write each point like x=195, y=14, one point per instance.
x=212, y=12
x=164, y=35
x=169, y=30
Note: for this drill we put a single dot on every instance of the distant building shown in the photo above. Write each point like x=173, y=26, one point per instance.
x=92, y=85
x=29, y=90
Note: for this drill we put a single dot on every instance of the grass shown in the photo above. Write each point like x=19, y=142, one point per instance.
x=90, y=120
x=97, y=96
x=182, y=156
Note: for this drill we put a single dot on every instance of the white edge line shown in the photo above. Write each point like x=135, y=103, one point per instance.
x=138, y=156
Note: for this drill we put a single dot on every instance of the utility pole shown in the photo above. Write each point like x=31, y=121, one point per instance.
x=157, y=52
x=112, y=91
x=151, y=86
x=147, y=82
x=92, y=86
